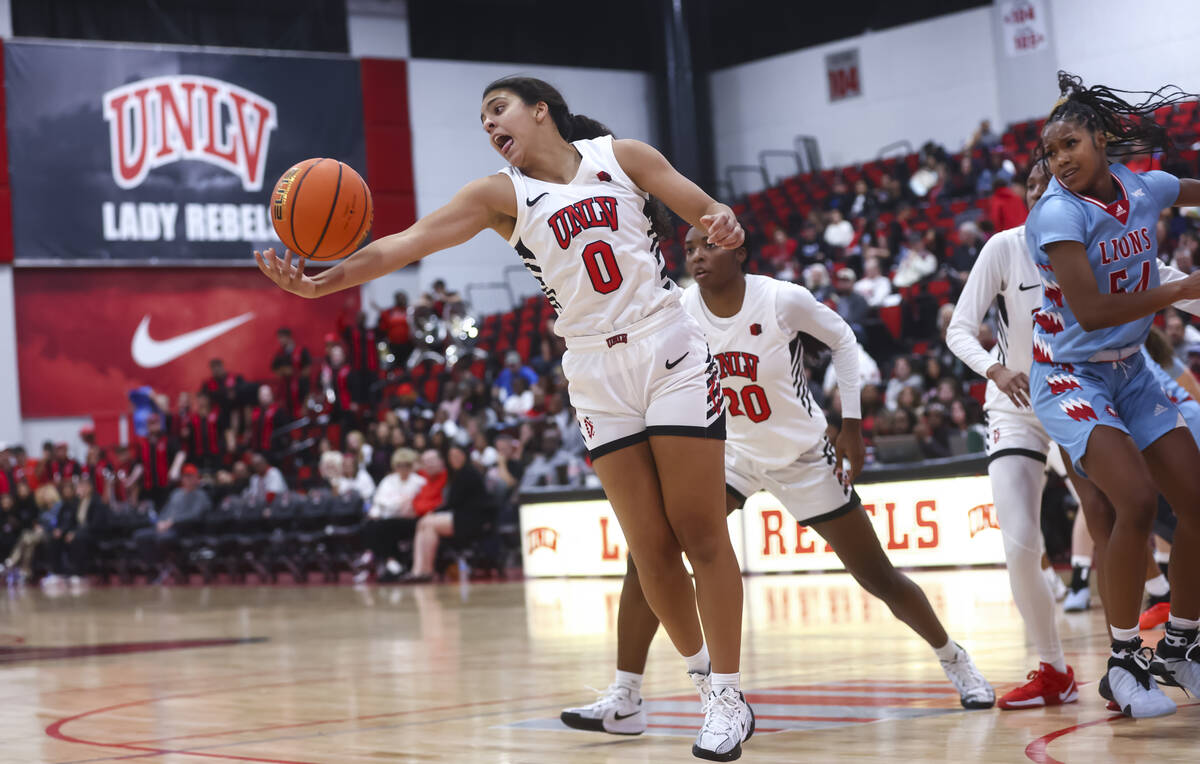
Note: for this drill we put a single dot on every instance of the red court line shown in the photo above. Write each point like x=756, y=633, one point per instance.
x=54, y=730
x=783, y=718
x=756, y=729
x=882, y=689
x=816, y=699
x=1036, y=750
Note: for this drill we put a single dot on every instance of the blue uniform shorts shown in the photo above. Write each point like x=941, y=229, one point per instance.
x=1071, y=400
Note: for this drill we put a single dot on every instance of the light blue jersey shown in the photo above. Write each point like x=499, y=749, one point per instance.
x=1122, y=248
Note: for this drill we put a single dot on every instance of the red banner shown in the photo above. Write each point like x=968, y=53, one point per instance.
x=86, y=337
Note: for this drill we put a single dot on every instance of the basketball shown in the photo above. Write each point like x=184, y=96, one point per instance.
x=321, y=209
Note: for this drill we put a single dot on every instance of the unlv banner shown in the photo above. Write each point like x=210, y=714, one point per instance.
x=141, y=155
x=920, y=524
x=89, y=336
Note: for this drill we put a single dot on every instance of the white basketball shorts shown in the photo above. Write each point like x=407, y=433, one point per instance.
x=808, y=487
x=655, y=377
x=1011, y=433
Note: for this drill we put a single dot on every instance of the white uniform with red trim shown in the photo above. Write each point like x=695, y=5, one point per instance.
x=776, y=432
x=636, y=364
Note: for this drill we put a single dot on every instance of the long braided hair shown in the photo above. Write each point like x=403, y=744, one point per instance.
x=1130, y=126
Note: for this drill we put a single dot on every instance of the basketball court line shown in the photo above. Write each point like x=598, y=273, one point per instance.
x=794, y=708
x=1037, y=751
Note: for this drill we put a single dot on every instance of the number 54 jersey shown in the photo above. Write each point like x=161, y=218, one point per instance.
x=590, y=245
x=771, y=417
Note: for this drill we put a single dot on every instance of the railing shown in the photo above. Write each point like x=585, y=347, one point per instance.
x=742, y=169
x=891, y=148
x=807, y=146
x=474, y=288
x=763, y=156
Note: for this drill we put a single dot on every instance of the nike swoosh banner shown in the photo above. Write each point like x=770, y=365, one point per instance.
x=90, y=335
x=166, y=156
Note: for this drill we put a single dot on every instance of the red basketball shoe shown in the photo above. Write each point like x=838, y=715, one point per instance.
x=1155, y=615
x=1046, y=687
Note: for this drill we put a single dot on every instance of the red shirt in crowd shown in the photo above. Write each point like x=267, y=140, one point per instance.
x=431, y=495
x=393, y=322
x=1005, y=209
x=206, y=434
x=155, y=453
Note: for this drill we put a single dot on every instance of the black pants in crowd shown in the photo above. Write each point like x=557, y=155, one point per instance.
x=74, y=557
x=154, y=545
x=383, y=536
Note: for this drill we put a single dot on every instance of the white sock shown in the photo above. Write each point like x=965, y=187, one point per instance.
x=1059, y=665
x=1161, y=557
x=1081, y=561
x=1158, y=586
x=629, y=680
x=698, y=663
x=720, y=681
x=1183, y=624
x=1123, y=635
x=947, y=651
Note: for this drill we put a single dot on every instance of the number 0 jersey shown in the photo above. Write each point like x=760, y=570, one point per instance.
x=590, y=245
x=771, y=417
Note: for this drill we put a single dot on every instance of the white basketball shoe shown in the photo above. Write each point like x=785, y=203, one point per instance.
x=973, y=690
x=1129, y=683
x=618, y=711
x=728, y=722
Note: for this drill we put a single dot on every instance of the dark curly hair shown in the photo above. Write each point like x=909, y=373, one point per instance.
x=1130, y=127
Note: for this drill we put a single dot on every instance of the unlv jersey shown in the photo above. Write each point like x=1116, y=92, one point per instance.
x=590, y=245
x=771, y=417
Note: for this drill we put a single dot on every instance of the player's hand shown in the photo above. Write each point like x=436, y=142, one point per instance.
x=1190, y=286
x=850, y=447
x=1014, y=384
x=723, y=229
x=286, y=276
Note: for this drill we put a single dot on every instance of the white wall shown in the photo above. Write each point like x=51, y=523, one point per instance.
x=377, y=28
x=1136, y=46
x=934, y=79
x=450, y=148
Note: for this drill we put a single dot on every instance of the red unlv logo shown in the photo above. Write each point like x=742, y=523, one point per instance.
x=981, y=518
x=164, y=119
x=542, y=537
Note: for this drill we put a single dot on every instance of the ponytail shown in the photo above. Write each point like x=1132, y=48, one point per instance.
x=581, y=128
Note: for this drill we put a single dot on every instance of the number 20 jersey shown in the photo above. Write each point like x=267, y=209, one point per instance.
x=590, y=245
x=770, y=416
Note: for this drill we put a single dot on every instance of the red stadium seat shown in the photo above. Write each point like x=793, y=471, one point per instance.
x=892, y=319
x=978, y=391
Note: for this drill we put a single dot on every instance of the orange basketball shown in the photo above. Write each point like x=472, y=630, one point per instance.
x=321, y=209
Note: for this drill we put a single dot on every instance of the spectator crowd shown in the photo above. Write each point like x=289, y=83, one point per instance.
x=426, y=447
x=423, y=435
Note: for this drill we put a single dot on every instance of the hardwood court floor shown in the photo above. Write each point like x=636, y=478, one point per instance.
x=450, y=673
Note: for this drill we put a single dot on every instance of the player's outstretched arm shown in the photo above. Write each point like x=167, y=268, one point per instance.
x=1094, y=309
x=652, y=173
x=485, y=203
x=1167, y=274
x=1189, y=193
